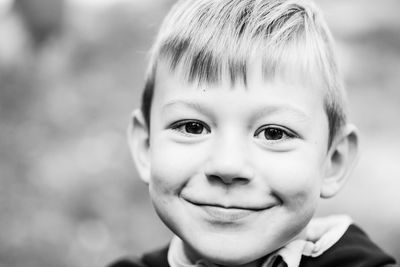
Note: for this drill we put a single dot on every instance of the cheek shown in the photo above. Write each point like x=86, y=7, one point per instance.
x=172, y=165
x=295, y=178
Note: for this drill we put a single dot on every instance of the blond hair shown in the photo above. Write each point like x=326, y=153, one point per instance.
x=212, y=39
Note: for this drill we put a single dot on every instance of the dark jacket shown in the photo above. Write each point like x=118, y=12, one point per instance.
x=354, y=249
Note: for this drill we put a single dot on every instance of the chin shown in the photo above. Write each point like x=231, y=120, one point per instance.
x=227, y=259
x=232, y=255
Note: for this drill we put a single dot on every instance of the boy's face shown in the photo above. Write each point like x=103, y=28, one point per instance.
x=236, y=172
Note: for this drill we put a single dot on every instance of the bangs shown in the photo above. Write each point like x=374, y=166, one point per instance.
x=207, y=51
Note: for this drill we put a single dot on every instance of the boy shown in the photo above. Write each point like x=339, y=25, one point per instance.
x=242, y=130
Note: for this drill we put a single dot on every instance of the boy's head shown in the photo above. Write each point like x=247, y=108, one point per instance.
x=243, y=125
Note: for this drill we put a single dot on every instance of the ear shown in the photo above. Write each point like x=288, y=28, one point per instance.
x=341, y=159
x=138, y=139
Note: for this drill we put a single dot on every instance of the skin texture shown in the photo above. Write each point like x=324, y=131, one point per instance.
x=237, y=171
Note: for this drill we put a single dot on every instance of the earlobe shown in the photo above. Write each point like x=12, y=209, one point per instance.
x=138, y=139
x=341, y=159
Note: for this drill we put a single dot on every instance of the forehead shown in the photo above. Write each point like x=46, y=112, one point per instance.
x=290, y=93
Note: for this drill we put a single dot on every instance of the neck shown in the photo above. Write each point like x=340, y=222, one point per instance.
x=194, y=257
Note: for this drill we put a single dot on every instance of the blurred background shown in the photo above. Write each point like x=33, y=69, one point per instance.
x=71, y=71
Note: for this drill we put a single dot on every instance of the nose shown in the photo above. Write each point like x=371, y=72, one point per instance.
x=229, y=162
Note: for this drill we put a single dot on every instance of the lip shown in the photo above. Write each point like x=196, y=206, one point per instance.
x=225, y=214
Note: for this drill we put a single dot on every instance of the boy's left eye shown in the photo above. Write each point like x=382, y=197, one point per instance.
x=274, y=133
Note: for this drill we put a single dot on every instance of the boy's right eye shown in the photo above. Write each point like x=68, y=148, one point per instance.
x=191, y=127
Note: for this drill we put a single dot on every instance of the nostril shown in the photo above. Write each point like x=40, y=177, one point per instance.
x=242, y=180
x=224, y=179
x=214, y=179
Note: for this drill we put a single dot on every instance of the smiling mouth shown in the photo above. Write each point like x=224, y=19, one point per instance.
x=221, y=214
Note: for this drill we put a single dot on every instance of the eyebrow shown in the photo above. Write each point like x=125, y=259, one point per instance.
x=258, y=114
x=188, y=104
x=297, y=113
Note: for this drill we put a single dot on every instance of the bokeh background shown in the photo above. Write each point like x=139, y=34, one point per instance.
x=71, y=71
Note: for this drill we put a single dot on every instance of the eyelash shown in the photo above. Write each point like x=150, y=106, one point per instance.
x=180, y=126
x=286, y=133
